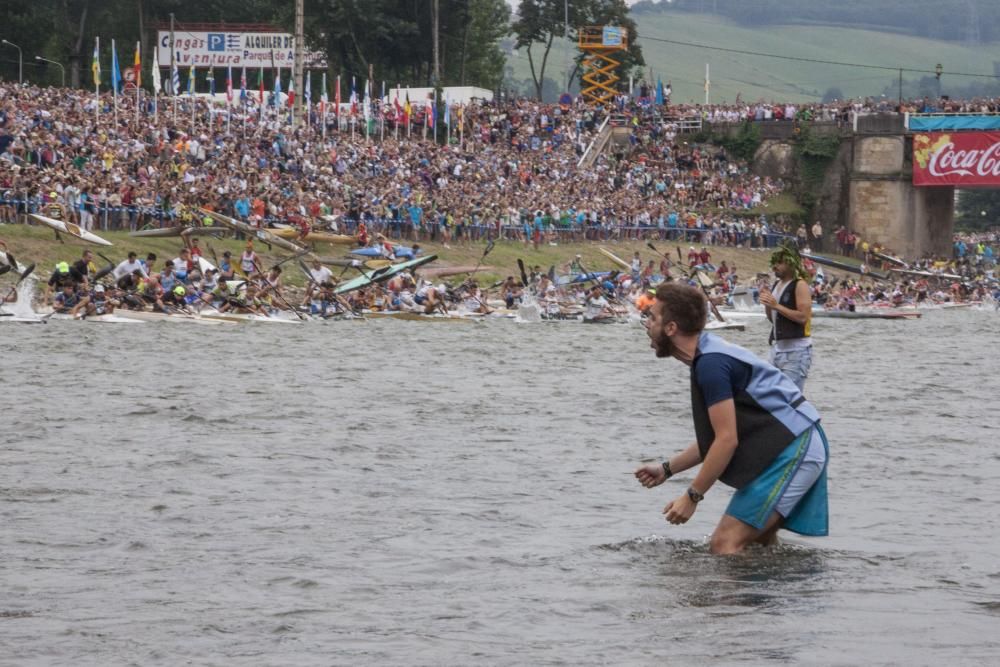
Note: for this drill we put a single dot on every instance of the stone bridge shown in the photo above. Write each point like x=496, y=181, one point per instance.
x=868, y=187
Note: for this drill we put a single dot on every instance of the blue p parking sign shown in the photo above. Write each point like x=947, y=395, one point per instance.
x=216, y=41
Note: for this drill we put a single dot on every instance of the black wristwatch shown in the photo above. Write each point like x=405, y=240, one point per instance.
x=666, y=469
x=694, y=495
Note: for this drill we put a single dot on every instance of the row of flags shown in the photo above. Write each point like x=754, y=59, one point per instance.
x=368, y=108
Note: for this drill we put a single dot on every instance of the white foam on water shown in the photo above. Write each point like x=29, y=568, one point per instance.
x=528, y=312
x=25, y=296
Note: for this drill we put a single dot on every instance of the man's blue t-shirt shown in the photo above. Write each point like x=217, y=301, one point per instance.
x=720, y=377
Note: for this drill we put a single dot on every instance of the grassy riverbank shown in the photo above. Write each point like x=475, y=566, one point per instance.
x=38, y=244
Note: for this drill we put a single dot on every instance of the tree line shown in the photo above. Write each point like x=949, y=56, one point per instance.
x=393, y=37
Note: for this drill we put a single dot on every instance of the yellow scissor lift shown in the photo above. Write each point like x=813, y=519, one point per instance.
x=600, y=43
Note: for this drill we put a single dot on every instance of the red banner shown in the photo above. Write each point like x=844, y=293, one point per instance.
x=964, y=159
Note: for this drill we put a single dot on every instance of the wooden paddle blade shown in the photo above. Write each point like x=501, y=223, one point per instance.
x=5, y=268
x=11, y=260
x=27, y=272
x=524, y=274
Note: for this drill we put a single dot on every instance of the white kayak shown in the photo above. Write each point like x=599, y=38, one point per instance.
x=280, y=318
x=71, y=229
x=22, y=319
x=182, y=318
x=108, y=318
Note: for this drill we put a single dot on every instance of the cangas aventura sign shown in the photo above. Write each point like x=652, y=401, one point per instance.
x=221, y=49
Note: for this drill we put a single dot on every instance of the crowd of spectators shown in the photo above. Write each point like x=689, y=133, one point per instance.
x=509, y=169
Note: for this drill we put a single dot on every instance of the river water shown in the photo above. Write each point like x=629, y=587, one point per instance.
x=393, y=492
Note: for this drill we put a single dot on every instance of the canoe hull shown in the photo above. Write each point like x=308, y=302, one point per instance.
x=292, y=233
x=381, y=275
x=263, y=234
x=69, y=228
x=621, y=263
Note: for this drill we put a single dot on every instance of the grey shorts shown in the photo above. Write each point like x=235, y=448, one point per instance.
x=794, y=364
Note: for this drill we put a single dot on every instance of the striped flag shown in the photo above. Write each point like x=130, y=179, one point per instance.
x=95, y=64
x=429, y=110
x=354, y=99
x=307, y=93
x=175, y=81
x=243, y=86
x=191, y=76
x=277, y=86
x=291, y=87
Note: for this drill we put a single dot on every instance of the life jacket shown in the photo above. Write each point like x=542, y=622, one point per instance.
x=167, y=282
x=785, y=328
x=770, y=413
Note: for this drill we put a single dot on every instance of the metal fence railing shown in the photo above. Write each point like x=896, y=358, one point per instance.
x=127, y=218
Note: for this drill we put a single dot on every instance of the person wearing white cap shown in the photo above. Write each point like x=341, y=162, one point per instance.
x=576, y=266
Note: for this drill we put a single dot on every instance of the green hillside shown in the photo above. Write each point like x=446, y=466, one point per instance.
x=755, y=77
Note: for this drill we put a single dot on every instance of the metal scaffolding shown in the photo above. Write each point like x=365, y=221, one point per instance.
x=601, y=43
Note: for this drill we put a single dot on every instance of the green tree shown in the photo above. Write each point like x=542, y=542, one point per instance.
x=392, y=36
x=978, y=209
x=395, y=38
x=483, y=61
x=538, y=22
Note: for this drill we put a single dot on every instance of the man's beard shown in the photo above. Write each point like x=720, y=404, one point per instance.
x=662, y=346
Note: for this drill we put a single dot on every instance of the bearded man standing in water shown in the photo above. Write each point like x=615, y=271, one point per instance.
x=754, y=432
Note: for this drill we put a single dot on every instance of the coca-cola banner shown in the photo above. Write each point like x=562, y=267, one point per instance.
x=964, y=159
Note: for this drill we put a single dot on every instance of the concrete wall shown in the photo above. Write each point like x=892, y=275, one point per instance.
x=887, y=209
x=868, y=187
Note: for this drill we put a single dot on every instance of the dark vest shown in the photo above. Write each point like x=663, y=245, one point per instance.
x=770, y=414
x=785, y=328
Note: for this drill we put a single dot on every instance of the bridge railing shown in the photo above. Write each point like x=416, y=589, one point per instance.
x=778, y=130
x=940, y=120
